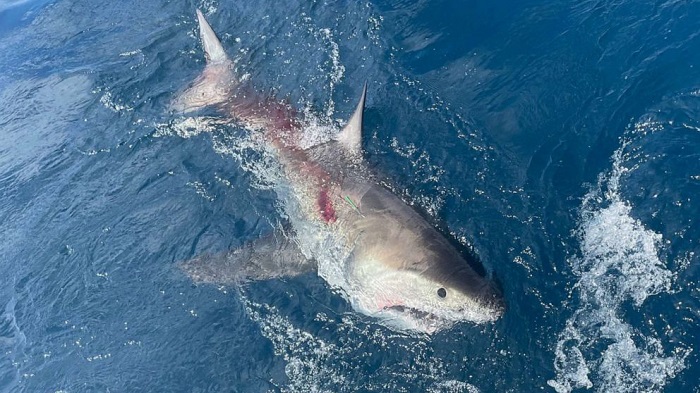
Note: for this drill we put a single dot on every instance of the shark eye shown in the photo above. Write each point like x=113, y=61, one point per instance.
x=442, y=292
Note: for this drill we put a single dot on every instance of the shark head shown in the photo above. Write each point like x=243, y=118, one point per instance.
x=406, y=273
x=433, y=297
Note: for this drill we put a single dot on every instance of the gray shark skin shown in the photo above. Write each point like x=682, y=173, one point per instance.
x=384, y=258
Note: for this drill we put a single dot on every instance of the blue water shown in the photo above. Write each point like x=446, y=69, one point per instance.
x=558, y=141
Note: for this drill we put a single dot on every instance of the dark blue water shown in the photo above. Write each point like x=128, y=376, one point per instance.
x=557, y=140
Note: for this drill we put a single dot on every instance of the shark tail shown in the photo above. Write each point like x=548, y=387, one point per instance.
x=216, y=83
x=212, y=46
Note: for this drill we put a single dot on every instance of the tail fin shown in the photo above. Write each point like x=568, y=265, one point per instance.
x=212, y=46
x=217, y=81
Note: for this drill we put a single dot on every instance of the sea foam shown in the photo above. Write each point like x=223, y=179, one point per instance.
x=619, y=263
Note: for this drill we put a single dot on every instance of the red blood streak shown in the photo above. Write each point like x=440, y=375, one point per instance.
x=326, y=206
x=283, y=130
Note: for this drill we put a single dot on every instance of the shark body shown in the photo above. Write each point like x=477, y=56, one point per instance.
x=386, y=259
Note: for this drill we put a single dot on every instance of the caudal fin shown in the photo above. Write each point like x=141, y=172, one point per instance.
x=212, y=46
x=217, y=81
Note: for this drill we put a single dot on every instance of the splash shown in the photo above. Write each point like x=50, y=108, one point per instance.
x=202, y=191
x=110, y=103
x=186, y=127
x=316, y=365
x=425, y=171
x=333, y=69
x=619, y=263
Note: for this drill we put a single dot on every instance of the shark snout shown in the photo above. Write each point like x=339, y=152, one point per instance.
x=492, y=300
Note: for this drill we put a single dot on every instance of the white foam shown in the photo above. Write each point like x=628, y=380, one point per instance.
x=333, y=70
x=316, y=130
x=130, y=53
x=425, y=172
x=618, y=264
x=186, y=127
x=337, y=68
x=316, y=365
x=108, y=101
x=254, y=156
x=453, y=386
x=210, y=7
x=201, y=190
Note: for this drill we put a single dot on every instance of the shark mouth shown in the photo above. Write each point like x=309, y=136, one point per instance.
x=417, y=314
x=409, y=318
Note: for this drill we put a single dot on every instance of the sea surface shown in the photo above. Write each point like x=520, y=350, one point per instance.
x=557, y=141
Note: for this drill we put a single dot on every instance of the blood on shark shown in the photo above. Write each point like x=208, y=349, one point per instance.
x=386, y=259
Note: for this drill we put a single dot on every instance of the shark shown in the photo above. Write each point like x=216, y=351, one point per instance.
x=383, y=256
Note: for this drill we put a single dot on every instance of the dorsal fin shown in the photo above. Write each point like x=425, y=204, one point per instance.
x=212, y=46
x=350, y=138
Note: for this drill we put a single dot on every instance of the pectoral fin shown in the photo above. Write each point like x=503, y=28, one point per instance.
x=269, y=257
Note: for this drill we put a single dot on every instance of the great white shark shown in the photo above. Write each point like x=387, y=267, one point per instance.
x=384, y=257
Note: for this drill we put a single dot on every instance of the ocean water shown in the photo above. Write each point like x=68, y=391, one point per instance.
x=559, y=142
